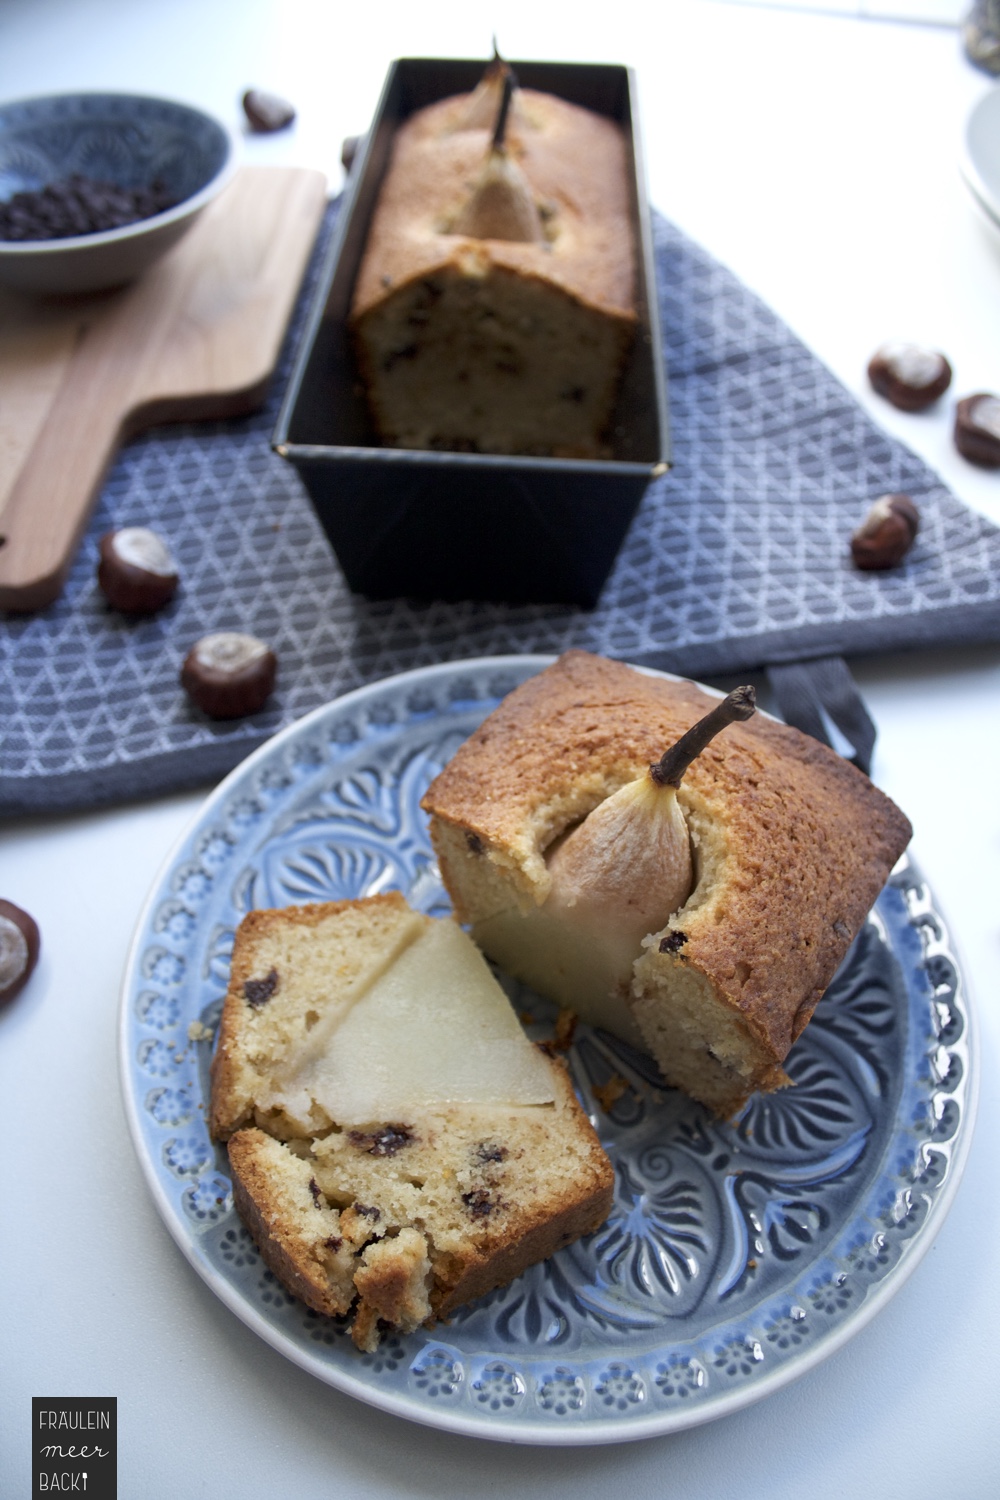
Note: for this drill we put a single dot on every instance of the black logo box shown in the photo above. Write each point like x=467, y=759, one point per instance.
x=74, y=1446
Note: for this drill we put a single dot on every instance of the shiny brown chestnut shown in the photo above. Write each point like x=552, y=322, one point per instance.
x=886, y=534
x=908, y=375
x=266, y=112
x=137, y=572
x=977, y=429
x=19, y=947
x=229, y=675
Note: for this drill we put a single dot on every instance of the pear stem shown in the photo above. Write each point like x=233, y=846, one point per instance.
x=496, y=66
x=500, y=129
x=741, y=704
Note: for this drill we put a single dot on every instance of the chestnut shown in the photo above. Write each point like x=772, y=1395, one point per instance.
x=137, y=572
x=19, y=946
x=977, y=429
x=267, y=113
x=229, y=675
x=908, y=375
x=886, y=534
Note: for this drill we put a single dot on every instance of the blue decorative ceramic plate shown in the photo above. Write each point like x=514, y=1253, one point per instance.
x=737, y=1255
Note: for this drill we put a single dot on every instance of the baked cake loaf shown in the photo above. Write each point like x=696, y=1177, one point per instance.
x=509, y=344
x=397, y=1145
x=791, y=845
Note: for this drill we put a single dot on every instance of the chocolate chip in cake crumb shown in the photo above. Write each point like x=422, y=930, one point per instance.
x=479, y=1203
x=367, y=1212
x=474, y=842
x=333, y=1243
x=491, y=1151
x=672, y=942
x=406, y=351
x=314, y=1188
x=383, y=1142
x=257, y=991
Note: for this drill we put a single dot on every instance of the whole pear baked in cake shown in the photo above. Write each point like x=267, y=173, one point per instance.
x=397, y=1145
x=751, y=883
x=495, y=302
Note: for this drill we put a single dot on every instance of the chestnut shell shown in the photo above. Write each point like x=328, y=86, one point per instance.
x=127, y=586
x=28, y=928
x=225, y=692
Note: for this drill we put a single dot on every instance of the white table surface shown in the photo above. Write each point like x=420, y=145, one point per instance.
x=816, y=155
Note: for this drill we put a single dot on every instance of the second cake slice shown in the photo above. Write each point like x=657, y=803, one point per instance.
x=397, y=1145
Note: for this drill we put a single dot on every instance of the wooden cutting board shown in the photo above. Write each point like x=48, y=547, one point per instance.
x=197, y=337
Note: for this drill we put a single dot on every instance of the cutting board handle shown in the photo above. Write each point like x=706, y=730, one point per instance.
x=47, y=509
x=197, y=337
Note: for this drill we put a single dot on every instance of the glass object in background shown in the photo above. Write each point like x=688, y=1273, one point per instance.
x=981, y=34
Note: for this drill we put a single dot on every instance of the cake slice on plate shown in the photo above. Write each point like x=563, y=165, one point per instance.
x=397, y=1145
x=789, y=847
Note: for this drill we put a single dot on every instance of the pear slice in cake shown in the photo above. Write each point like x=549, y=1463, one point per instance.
x=434, y=1028
x=397, y=1144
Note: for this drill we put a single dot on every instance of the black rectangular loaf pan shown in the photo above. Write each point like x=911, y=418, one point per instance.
x=460, y=525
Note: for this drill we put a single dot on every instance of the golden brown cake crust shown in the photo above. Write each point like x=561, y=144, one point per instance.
x=574, y=159
x=284, y=1242
x=809, y=840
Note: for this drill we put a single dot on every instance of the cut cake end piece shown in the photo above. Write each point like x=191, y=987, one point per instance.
x=397, y=1217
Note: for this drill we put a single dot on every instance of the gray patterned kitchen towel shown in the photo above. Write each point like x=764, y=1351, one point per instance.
x=736, y=560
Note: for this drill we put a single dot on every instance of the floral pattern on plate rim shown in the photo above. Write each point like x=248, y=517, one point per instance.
x=737, y=1253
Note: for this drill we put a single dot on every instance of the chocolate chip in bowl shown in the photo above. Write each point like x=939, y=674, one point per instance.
x=911, y=377
x=977, y=429
x=80, y=205
x=229, y=675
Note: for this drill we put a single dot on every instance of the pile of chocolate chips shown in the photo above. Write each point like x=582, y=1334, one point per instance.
x=79, y=205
